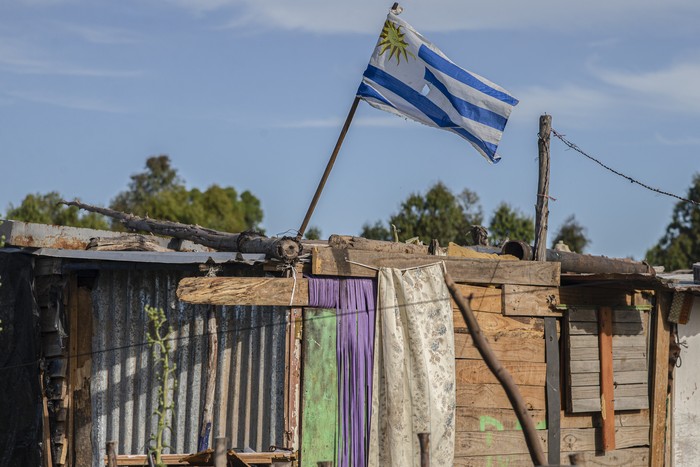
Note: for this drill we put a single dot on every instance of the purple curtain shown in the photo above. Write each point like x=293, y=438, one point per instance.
x=354, y=301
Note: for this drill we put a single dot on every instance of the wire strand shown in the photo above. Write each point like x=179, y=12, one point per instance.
x=237, y=330
x=632, y=180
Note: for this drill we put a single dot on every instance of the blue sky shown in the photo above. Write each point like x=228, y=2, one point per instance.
x=253, y=93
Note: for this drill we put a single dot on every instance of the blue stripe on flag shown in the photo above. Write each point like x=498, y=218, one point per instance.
x=461, y=75
x=368, y=91
x=467, y=109
x=427, y=107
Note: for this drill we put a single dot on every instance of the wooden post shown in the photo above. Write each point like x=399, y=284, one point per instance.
x=111, y=448
x=329, y=167
x=292, y=378
x=659, y=392
x=220, y=452
x=212, y=370
x=553, y=393
x=424, y=441
x=542, y=206
x=46, y=432
x=607, y=381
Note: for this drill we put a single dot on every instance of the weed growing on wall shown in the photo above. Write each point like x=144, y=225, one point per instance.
x=161, y=349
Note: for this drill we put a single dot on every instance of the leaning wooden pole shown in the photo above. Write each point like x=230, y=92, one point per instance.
x=542, y=205
x=531, y=438
x=329, y=167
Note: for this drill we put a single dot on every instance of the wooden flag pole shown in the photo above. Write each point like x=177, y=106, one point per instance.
x=329, y=167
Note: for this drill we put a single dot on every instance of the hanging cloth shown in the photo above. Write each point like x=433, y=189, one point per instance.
x=354, y=301
x=414, y=369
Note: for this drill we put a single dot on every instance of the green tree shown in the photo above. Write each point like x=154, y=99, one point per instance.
x=160, y=193
x=438, y=214
x=313, y=233
x=376, y=231
x=679, y=248
x=508, y=223
x=46, y=209
x=573, y=234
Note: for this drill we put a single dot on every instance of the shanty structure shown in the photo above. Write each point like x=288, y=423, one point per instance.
x=591, y=343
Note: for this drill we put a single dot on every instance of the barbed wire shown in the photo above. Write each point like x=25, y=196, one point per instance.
x=632, y=180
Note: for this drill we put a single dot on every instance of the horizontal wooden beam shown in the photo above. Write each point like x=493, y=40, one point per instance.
x=251, y=291
x=345, y=262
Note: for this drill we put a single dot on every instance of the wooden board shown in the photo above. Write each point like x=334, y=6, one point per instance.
x=622, y=377
x=515, y=349
x=633, y=457
x=484, y=299
x=527, y=300
x=492, y=396
x=594, y=295
x=523, y=373
x=581, y=341
x=494, y=442
x=319, y=387
x=623, y=390
x=485, y=419
x=624, y=352
x=622, y=364
x=335, y=262
x=253, y=291
x=494, y=325
x=621, y=403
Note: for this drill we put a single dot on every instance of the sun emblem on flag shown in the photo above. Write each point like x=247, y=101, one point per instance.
x=392, y=39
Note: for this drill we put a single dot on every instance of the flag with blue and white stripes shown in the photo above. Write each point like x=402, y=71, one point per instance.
x=410, y=77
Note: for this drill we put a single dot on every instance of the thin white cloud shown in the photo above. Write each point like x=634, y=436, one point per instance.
x=673, y=88
x=336, y=122
x=365, y=16
x=68, y=102
x=19, y=59
x=574, y=104
x=682, y=141
x=102, y=34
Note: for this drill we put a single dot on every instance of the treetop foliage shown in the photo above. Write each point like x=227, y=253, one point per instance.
x=679, y=247
x=157, y=192
x=448, y=217
x=573, y=234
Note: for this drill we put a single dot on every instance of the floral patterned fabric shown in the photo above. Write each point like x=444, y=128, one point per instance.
x=414, y=369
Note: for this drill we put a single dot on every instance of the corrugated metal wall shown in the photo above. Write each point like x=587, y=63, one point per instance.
x=249, y=396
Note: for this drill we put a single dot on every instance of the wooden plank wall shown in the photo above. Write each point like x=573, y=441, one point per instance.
x=487, y=430
x=630, y=370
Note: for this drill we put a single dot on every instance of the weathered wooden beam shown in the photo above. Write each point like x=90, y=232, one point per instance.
x=361, y=243
x=607, y=387
x=553, y=391
x=282, y=248
x=252, y=291
x=659, y=391
x=346, y=262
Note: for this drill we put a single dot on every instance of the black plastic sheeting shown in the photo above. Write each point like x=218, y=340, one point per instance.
x=20, y=392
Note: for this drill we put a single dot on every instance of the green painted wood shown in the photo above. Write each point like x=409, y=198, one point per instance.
x=319, y=388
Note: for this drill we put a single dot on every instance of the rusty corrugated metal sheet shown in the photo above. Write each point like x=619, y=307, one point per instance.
x=249, y=395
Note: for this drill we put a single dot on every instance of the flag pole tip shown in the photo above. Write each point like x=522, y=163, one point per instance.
x=396, y=8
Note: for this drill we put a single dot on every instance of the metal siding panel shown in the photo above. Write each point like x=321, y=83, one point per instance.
x=249, y=395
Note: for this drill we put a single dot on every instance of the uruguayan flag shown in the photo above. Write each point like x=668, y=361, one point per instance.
x=409, y=76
